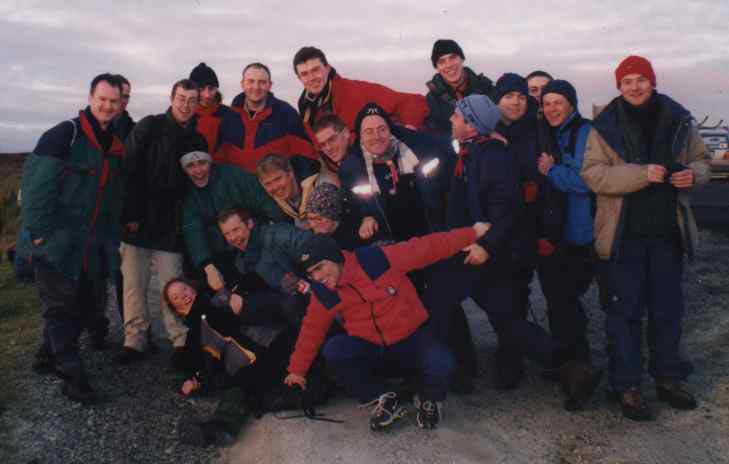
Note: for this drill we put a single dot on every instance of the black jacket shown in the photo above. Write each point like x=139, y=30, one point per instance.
x=155, y=183
x=442, y=99
x=488, y=191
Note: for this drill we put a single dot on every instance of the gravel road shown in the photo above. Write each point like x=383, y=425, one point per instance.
x=137, y=421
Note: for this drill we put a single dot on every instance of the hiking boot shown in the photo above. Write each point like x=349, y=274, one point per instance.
x=387, y=411
x=579, y=381
x=633, y=405
x=128, y=356
x=98, y=342
x=428, y=414
x=43, y=363
x=79, y=390
x=671, y=392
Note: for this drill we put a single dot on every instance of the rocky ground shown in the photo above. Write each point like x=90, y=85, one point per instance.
x=138, y=419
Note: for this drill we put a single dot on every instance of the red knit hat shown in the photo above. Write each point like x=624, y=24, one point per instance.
x=635, y=64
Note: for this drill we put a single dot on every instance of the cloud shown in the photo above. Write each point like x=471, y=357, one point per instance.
x=52, y=49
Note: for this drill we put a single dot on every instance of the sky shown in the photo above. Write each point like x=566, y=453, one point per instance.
x=52, y=49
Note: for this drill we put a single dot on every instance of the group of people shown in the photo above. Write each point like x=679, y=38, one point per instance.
x=339, y=241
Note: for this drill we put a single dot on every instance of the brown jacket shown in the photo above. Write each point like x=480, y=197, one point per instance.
x=610, y=177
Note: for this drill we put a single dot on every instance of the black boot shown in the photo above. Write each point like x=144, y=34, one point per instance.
x=508, y=371
x=43, y=364
x=633, y=405
x=77, y=388
x=671, y=392
x=579, y=381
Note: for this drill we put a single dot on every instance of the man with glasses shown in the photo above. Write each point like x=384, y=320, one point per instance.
x=333, y=138
x=155, y=189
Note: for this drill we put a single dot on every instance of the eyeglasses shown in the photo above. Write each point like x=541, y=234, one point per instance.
x=331, y=140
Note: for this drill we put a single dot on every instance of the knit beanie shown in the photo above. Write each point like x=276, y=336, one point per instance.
x=317, y=248
x=204, y=75
x=372, y=109
x=562, y=87
x=635, y=65
x=326, y=201
x=510, y=82
x=480, y=112
x=193, y=156
x=443, y=47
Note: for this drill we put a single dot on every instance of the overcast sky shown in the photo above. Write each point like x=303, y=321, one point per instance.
x=51, y=49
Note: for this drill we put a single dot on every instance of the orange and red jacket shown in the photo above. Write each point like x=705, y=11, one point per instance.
x=243, y=140
x=349, y=96
x=208, y=123
x=374, y=298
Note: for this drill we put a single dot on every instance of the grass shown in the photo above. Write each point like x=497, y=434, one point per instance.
x=20, y=328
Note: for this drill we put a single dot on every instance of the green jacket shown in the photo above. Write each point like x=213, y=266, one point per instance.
x=72, y=200
x=228, y=186
x=273, y=250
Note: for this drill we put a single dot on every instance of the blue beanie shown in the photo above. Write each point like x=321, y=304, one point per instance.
x=480, y=112
x=563, y=88
x=510, y=82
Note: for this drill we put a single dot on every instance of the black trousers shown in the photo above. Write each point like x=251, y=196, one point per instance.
x=565, y=276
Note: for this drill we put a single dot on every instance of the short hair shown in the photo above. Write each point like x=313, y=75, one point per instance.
x=177, y=280
x=273, y=162
x=539, y=73
x=329, y=120
x=257, y=65
x=308, y=53
x=109, y=78
x=243, y=214
x=186, y=84
x=123, y=80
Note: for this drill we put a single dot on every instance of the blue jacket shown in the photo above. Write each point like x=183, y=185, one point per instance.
x=565, y=177
x=430, y=189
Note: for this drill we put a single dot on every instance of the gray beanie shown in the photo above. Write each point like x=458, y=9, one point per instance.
x=480, y=112
x=195, y=156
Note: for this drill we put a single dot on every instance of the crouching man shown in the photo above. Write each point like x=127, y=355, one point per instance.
x=368, y=290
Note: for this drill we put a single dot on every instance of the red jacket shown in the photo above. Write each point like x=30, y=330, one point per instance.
x=374, y=298
x=208, y=122
x=349, y=96
x=277, y=128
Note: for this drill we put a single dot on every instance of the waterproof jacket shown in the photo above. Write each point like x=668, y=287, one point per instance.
x=208, y=123
x=487, y=191
x=243, y=140
x=227, y=186
x=374, y=299
x=607, y=173
x=349, y=96
x=525, y=147
x=570, y=140
x=272, y=251
x=155, y=182
x=429, y=191
x=442, y=98
x=72, y=199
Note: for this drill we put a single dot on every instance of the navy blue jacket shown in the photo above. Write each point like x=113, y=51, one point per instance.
x=430, y=189
x=488, y=191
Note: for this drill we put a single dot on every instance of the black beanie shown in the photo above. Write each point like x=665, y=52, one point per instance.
x=510, y=82
x=317, y=248
x=204, y=75
x=372, y=109
x=564, y=88
x=443, y=47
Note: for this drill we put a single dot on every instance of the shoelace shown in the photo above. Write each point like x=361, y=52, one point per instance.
x=429, y=408
x=379, y=404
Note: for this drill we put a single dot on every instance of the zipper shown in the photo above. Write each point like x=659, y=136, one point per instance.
x=372, y=314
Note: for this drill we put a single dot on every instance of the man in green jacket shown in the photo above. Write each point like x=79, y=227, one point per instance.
x=214, y=188
x=70, y=212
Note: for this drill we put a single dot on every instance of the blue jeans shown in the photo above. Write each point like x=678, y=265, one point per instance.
x=646, y=275
x=355, y=360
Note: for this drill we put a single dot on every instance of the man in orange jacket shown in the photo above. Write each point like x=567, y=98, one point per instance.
x=369, y=292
